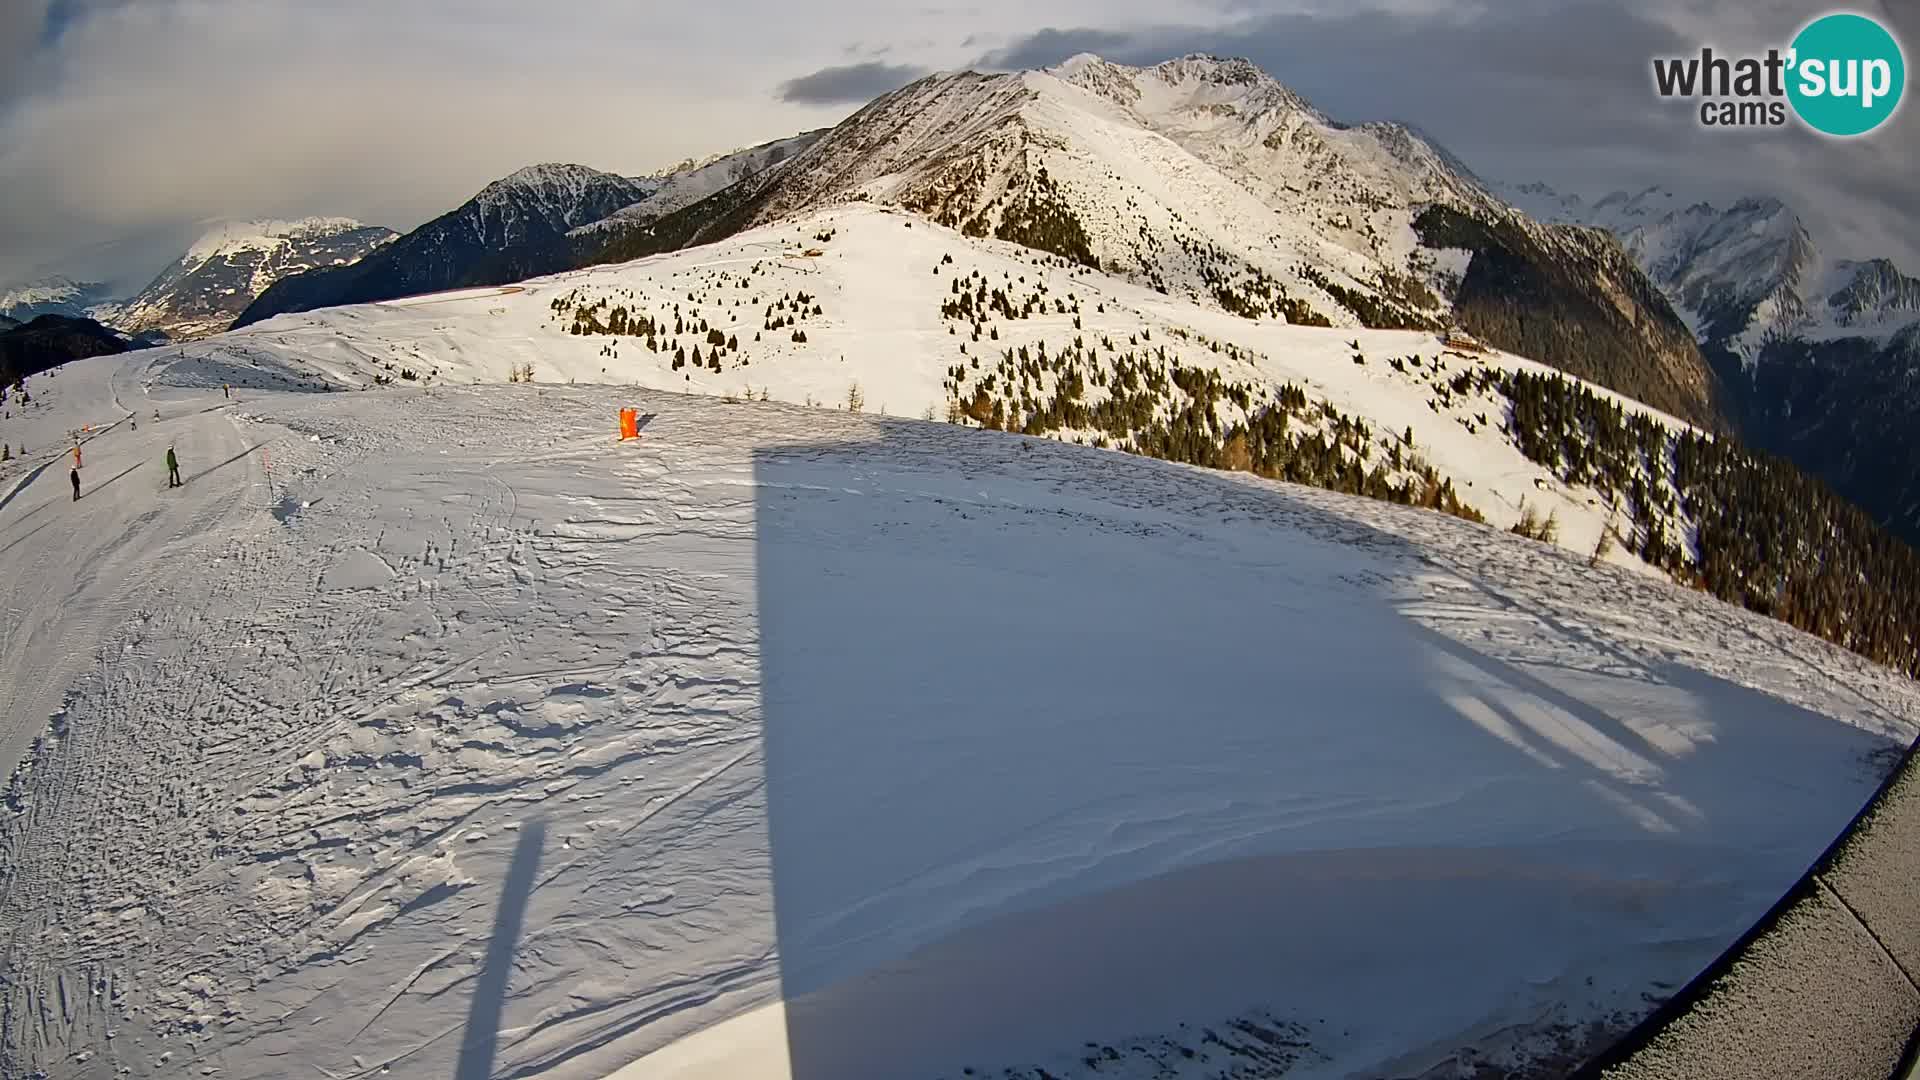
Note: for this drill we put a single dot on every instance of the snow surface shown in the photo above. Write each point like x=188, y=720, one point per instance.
x=433, y=731
x=881, y=329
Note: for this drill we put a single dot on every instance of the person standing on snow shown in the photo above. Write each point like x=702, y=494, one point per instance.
x=75, y=475
x=76, y=456
x=173, y=470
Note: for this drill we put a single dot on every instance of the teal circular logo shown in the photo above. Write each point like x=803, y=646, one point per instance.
x=1847, y=75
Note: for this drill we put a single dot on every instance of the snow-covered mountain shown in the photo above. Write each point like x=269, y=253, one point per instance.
x=925, y=320
x=1745, y=274
x=532, y=222
x=555, y=196
x=692, y=181
x=1872, y=295
x=53, y=296
x=1821, y=356
x=1200, y=175
x=1205, y=179
x=514, y=227
x=803, y=737
x=231, y=265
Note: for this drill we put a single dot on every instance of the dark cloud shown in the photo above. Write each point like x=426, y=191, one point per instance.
x=1050, y=46
x=116, y=116
x=1558, y=91
x=22, y=24
x=61, y=14
x=848, y=83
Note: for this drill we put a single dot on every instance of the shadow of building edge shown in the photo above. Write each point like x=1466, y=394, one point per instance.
x=810, y=1046
x=1227, y=492
x=480, y=1039
x=1691, y=996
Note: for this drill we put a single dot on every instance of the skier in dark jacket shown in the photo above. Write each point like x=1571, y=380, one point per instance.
x=173, y=469
x=75, y=475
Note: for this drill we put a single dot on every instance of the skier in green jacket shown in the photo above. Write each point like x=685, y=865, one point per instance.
x=173, y=469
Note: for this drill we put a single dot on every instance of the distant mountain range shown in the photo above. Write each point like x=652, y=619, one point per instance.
x=52, y=296
x=1821, y=357
x=208, y=287
x=536, y=221
x=1204, y=178
x=1139, y=257
x=1744, y=275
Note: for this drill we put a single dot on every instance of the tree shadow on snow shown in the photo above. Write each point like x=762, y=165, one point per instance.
x=1065, y=751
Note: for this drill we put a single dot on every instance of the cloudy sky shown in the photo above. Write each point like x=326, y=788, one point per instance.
x=128, y=126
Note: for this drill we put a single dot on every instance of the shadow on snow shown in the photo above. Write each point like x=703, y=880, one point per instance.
x=1049, y=767
x=479, y=1042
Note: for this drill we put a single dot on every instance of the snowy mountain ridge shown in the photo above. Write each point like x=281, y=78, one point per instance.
x=231, y=265
x=738, y=316
x=1187, y=171
x=57, y=295
x=1204, y=178
x=1820, y=356
x=691, y=165
x=1744, y=274
x=1225, y=110
x=689, y=183
x=532, y=221
x=228, y=238
x=1873, y=293
x=565, y=195
x=513, y=227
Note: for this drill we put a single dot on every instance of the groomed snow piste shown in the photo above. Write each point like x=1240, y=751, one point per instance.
x=432, y=732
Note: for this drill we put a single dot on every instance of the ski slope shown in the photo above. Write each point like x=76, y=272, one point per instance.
x=432, y=732
x=880, y=278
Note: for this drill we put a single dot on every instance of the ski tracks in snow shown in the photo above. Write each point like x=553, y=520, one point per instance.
x=316, y=744
x=270, y=822
x=97, y=619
